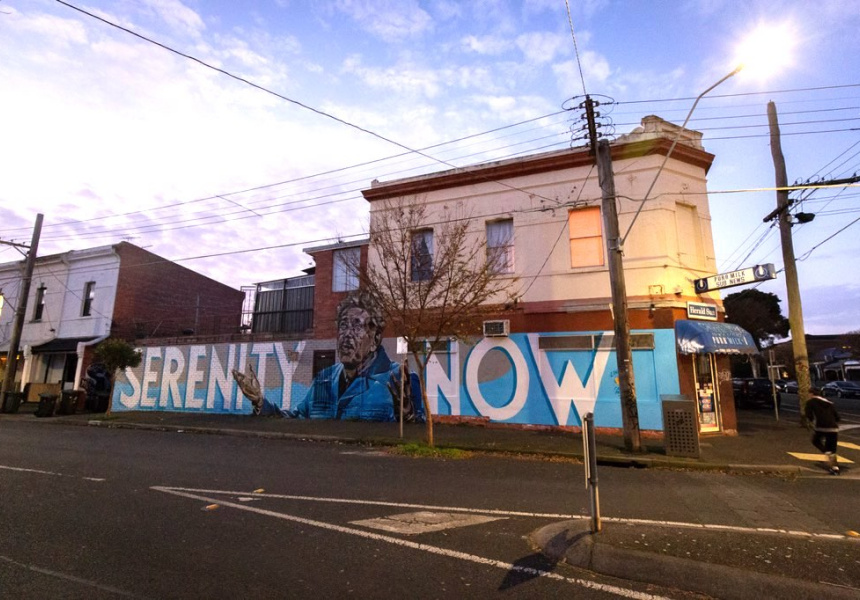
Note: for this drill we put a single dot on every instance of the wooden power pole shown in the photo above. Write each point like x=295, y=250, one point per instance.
x=20, y=312
x=795, y=308
x=623, y=354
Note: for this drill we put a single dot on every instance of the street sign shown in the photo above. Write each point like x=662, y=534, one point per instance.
x=700, y=310
x=742, y=277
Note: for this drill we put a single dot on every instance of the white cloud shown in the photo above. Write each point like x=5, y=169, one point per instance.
x=177, y=15
x=542, y=47
x=488, y=44
x=390, y=20
x=57, y=29
x=402, y=78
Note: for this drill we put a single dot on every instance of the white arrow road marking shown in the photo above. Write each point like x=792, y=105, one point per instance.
x=611, y=589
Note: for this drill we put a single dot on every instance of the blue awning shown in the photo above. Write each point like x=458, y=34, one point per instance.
x=703, y=337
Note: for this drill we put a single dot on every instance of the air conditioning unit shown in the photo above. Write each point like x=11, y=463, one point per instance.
x=499, y=328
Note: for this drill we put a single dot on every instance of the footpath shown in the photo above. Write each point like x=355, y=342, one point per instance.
x=720, y=562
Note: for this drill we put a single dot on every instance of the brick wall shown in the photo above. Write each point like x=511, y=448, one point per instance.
x=156, y=298
x=325, y=300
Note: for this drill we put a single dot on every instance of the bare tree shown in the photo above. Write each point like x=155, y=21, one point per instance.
x=433, y=279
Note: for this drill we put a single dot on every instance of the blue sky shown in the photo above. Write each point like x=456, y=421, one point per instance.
x=113, y=137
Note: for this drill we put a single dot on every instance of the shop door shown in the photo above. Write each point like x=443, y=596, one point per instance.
x=707, y=400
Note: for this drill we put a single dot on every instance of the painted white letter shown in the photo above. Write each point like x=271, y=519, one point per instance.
x=150, y=376
x=195, y=376
x=170, y=377
x=521, y=378
x=571, y=388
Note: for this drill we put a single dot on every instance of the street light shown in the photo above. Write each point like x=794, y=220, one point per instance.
x=675, y=143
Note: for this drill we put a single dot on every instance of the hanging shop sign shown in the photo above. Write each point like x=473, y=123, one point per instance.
x=742, y=277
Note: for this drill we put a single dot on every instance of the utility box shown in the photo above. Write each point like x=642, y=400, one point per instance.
x=680, y=426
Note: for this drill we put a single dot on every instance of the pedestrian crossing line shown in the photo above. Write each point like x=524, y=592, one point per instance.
x=848, y=445
x=819, y=457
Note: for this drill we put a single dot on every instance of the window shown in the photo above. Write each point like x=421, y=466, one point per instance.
x=344, y=277
x=422, y=255
x=586, y=239
x=89, y=296
x=500, y=245
x=40, y=303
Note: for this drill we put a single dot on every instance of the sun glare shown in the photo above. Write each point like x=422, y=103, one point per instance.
x=767, y=50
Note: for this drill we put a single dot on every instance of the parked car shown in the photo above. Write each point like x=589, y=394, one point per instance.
x=841, y=389
x=754, y=392
x=790, y=387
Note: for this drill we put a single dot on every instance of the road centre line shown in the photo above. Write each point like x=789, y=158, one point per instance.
x=509, y=567
x=509, y=513
x=41, y=472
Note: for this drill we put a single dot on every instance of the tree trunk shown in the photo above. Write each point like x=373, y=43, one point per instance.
x=428, y=416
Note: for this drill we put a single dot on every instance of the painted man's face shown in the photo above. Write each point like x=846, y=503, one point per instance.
x=355, y=337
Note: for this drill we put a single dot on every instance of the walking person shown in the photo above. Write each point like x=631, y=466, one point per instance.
x=823, y=418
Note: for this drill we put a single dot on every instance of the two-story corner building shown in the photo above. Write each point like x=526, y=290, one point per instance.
x=546, y=359
x=80, y=297
x=543, y=212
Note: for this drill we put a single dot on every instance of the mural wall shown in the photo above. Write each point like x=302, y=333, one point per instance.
x=534, y=378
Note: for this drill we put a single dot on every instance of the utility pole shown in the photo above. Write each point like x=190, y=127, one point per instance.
x=795, y=308
x=20, y=312
x=623, y=354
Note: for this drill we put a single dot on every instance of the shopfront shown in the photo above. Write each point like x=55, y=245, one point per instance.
x=703, y=342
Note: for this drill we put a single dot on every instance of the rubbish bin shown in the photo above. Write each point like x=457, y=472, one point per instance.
x=102, y=398
x=12, y=401
x=68, y=402
x=47, y=404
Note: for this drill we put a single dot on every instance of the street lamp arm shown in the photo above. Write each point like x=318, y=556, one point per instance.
x=672, y=148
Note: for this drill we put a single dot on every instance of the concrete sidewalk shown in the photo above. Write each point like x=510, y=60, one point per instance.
x=721, y=562
x=762, y=443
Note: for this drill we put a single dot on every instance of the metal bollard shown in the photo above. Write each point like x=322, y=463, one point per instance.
x=590, y=450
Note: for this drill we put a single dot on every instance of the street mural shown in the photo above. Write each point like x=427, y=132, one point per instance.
x=364, y=385
x=523, y=378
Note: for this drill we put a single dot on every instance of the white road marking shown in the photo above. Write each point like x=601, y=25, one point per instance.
x=71, y=578
x=611, y=589
x=423, y=521
x=52, y=473
x=513, y=513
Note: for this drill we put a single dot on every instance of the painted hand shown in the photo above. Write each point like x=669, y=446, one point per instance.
x=250, y=386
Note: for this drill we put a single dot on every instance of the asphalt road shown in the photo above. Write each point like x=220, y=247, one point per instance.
x=103, y=513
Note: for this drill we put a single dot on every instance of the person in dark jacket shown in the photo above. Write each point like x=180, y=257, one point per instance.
x=824, y=421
